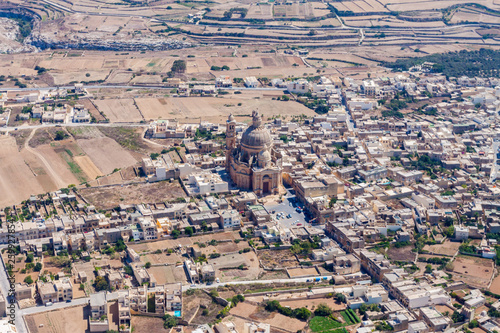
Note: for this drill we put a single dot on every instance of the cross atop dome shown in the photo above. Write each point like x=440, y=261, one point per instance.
x=257, y=119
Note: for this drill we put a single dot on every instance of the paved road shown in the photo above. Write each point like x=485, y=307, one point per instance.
x=55, y=306
x=214, y=285
x=130, y=87
x=45, y=125
x=495, y=168
x=4, y=287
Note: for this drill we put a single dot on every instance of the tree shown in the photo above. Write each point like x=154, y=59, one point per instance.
x=179, y=66
x=457, y=317
x=176, y=233
x=147, y=265
x=214, y=293
x=302, y=313
x=272, y=306
x=189, y=231
x=169, y=321
x=60, y=135
x=28, y=279
x=473, y=323
x=30, y=257
x=323, y=310
x=339, y=297
x=322, y=109
x=428, y=269
x=100, y=283
x=38, y=267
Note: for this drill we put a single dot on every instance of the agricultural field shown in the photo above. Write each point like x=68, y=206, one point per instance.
x=106, y=154
x=190, y=109
x=17, y=177
x=119, y=110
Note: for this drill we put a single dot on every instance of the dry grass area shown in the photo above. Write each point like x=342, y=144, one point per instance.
x=192, y=311
x=111, y=197
x=473, y=271
x=72, y=319
x=446, y=249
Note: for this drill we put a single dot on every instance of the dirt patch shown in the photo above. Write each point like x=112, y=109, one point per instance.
x=298, y=272
x=110, y=197
x=169, y=274
x=147, y=324
x=495, y=285
x=278, y=259
x=401, y=254
x=20, y=136
x=255, y=313
x=472, y=270
x=73, y=319
x=44, y=136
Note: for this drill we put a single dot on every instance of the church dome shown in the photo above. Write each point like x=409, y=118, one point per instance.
x=256, y=137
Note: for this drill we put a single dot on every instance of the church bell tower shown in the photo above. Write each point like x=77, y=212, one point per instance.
x=230, y=139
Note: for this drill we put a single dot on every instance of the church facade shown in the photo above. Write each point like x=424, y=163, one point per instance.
x=249, y=161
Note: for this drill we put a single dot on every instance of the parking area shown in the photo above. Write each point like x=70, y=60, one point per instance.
x=289, y=212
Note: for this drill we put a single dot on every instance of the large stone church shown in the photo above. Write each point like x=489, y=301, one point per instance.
x=250, y=162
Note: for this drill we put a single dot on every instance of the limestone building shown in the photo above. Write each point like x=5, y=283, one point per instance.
x=250, y=161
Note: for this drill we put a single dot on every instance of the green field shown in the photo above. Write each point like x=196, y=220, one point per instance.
x=322, y=324
x=350, y=317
